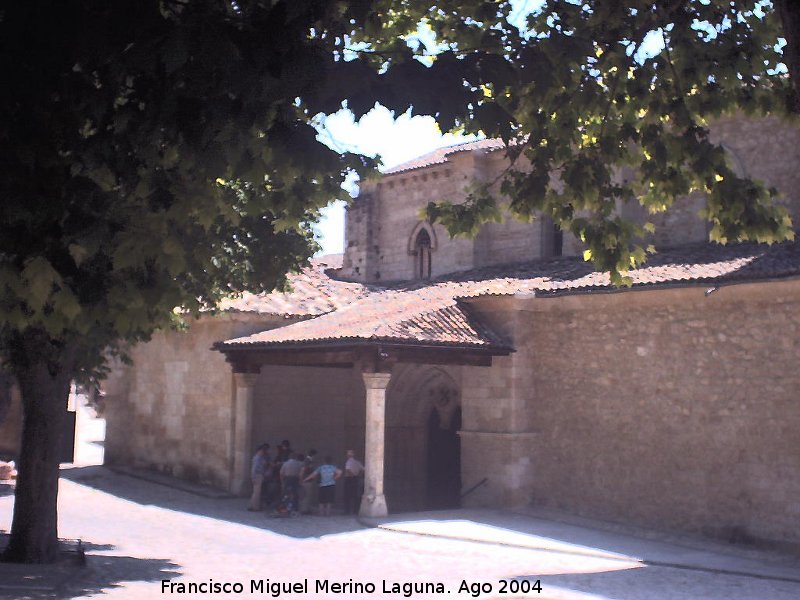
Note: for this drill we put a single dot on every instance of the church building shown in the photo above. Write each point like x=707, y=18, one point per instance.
x=502, y=370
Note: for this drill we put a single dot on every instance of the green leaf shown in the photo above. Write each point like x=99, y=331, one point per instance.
x=78, y=253
x=67, y=304
x=40, y=278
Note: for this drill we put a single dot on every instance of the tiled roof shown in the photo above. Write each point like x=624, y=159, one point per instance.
x=427, y=316
x=432, y=314
x=441, y=155
x=693, y=264
x=311, y=292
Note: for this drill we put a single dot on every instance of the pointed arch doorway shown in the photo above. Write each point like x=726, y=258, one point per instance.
x=423, y=448
x=443, y=477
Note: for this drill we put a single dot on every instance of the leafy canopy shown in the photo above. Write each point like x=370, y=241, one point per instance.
x=157, y=155
x=609, y=103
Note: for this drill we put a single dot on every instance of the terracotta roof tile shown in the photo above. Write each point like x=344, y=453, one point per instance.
x=311, y=292
x=441, y=155
x=431, y=313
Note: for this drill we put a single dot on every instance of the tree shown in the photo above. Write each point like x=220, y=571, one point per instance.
x=162, y=155
x=598, y=87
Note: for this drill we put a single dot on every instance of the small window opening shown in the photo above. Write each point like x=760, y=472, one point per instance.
x=422, y=255
x=558, y=241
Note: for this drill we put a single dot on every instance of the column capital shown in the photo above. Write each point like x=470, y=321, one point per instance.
x=245, y=379
x=376, y=381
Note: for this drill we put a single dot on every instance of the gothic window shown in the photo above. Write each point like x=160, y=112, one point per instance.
x=558, y=241
x=422, y=255
x=552, y=239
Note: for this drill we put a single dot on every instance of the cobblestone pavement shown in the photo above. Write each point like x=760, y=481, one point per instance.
x=140, y=534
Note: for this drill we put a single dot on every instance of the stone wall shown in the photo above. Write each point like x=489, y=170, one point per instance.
x=766, y=149
x=380, y=224
x=663, y=408
x=313, y=407
x=172, y=411
x=496, y=428
x=391, y=215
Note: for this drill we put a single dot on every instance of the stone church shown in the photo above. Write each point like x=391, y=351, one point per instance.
x=502, y=370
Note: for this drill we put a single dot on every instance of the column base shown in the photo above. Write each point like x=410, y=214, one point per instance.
x=373, y=506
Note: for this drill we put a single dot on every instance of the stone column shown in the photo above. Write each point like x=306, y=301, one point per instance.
x=373, y=503
x=242, y=431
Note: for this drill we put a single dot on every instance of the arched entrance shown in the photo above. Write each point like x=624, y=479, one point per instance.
x=423, y=449
x=444, y=460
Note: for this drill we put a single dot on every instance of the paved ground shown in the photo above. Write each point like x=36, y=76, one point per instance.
x=139, y=534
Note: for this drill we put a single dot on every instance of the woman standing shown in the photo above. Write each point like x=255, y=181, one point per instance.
x=328, y=474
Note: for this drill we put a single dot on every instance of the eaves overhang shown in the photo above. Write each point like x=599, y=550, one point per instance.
x=367, y=354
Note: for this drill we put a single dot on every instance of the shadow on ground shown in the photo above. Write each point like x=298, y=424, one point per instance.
x=68, y=578
x=102, y=573
x=108, y=571
x=226, y=509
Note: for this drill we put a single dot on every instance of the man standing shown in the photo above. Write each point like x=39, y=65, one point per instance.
x=290, y=479
x=308, y=489
x=258, y=469
x=352, y=477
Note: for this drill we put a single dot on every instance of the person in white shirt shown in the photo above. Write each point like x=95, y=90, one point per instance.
x=290, y=479
x=352, y=479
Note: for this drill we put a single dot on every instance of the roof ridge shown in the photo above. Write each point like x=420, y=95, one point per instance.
x=439, y=155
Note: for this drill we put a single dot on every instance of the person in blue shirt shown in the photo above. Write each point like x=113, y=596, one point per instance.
x=328, y=475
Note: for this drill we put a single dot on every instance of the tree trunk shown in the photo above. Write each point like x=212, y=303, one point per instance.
x=789, y=12
x=45, y=392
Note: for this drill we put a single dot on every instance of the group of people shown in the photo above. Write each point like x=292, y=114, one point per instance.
x=296, y=483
